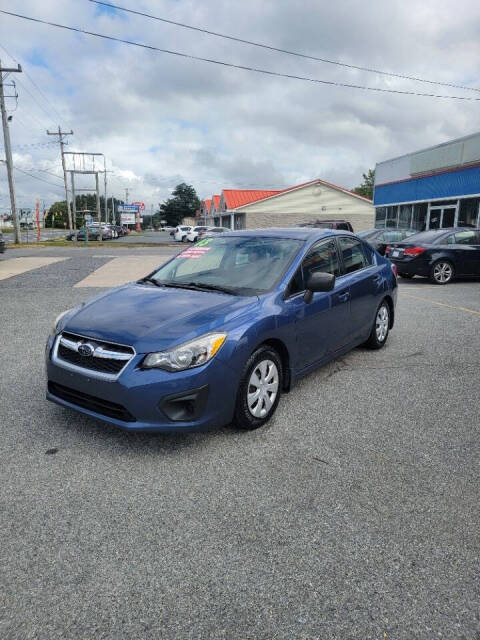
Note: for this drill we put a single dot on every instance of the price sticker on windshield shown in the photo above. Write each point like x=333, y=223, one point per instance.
x=194, y=252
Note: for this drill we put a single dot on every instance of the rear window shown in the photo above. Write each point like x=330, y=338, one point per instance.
x=426, y=237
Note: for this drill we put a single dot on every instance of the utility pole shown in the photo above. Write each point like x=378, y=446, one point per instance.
x=126, y=194
x=60, y=135
x=8, y=150
x=99, y=214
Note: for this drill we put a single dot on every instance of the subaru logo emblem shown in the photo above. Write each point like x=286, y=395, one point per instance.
x=85, y=349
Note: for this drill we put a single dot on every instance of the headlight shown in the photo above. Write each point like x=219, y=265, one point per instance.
x=188, y=355
x=53, y=332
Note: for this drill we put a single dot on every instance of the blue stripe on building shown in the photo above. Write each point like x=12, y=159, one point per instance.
x=462, y=182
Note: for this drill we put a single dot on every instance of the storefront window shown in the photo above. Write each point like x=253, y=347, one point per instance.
x=468, y=214
x=392, y=213
x=380, y=215
x=404, y=216
x=419, y=216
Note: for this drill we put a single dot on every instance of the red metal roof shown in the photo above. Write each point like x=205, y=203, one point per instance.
x=269, y=194
x=216, y=202
x=238, y=197
x=207, y=202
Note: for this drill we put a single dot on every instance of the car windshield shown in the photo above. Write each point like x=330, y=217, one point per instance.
x=237, y=265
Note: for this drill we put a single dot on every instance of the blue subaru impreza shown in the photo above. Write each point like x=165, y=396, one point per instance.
x=217, y=333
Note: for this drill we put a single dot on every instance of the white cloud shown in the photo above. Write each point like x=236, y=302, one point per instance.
x=161, y=120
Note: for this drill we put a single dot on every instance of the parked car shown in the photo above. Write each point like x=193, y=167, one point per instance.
x=180, y=233
x=218, y=332
x=113, y=229
x=438, y=254
x=107, y=232
x=92, y=233
x=342, y=225
x=212, y=231
x=380, y=238
x=2, y=243
x=192, y=235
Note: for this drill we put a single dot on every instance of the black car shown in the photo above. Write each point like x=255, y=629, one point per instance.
x=380, y=238
x=341, y=225
x=438, y=254
x=2, y=243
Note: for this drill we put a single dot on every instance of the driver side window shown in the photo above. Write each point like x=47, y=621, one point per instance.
x=322, y=257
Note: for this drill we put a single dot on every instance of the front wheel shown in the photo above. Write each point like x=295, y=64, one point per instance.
x=381, y=326
x=259, y=390
x=442, y=272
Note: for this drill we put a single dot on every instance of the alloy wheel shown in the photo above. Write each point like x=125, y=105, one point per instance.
x=262, y=388
x=381, y=323
x=442, y=272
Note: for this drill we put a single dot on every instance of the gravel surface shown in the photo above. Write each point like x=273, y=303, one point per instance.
x=353, y=515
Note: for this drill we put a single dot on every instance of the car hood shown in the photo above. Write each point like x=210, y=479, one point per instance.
x=151, y=318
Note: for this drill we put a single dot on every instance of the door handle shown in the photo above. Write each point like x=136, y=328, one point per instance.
x=343, y=297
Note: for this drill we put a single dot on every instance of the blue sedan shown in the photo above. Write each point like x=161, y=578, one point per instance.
x=217, y=333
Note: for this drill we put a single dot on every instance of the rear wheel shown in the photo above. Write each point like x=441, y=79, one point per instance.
x=442, y=272
x=259, y=390
x=381, y=326
x=407, y=276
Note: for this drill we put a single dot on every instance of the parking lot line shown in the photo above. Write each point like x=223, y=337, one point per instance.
x=121, y=270
x=441, y=304
x=17, y=266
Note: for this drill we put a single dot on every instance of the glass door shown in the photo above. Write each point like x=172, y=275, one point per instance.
x=448, y=217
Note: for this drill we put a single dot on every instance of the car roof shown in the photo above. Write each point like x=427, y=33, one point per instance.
x=295, y=233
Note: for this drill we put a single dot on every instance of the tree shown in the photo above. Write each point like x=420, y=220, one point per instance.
x=366, y=188
x=183, y=204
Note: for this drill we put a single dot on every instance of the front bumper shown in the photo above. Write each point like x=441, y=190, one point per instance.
x=148, y=400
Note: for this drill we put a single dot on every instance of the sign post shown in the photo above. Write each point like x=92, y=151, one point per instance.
x=140, y=207
x=37, y=218
x=129, y=214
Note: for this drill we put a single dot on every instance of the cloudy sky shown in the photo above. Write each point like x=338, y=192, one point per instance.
x=161, y=119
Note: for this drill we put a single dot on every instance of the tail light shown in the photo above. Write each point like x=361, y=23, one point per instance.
x=413, y=251
x=387, y=249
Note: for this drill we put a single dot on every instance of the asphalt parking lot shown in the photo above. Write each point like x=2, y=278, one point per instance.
x=353, y=515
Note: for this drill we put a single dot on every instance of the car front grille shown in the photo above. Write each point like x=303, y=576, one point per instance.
x=97, y=356
x=97, y=405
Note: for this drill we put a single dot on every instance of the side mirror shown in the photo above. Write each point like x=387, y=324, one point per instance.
x=319, y=281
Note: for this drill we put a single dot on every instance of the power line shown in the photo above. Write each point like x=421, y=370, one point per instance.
x=280, y=50
x=35, y=177
x=47, y=100
x=237, y=66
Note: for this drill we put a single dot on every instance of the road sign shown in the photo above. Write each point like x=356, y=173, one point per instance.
x=127, y=218
x=140, y=205
x=128, y=208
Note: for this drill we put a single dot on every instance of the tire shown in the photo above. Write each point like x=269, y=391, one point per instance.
x=184, y=238
x=263, y=365
x=406, y=276
x=442, y=272
x=381, y=327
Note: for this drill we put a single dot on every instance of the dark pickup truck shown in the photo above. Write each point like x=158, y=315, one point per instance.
x=342, y=225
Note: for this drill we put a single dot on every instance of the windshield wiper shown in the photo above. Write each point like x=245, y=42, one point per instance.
x=213, y=287
x=149, y=279
x=195, y=286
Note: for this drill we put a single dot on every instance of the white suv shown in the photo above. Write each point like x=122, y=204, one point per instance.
x=192, y=236
x=180, y=234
